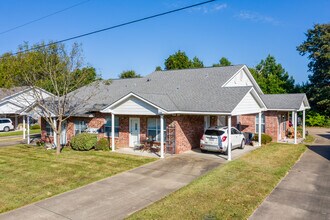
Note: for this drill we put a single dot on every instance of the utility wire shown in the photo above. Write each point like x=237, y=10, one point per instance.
x=116, y=26
x=43, y=17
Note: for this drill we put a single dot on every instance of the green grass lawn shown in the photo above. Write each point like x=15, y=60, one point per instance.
x=309, y=139
x=29, y=173
x=231, y=191
x=14, y=133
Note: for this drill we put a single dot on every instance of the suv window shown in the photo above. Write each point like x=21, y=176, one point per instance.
x=5, y=121
x=214, y=132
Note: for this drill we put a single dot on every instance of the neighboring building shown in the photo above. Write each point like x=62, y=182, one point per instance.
x=186, y=102
x=14, y=101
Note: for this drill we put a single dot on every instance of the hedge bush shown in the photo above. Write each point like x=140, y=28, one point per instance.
x=103, y=144
x=265, y=138
x=84, y=141
x=35, y=126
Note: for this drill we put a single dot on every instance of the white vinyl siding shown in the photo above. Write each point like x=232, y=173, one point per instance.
x=247, y=105
x=134, y=106
x=107, y=126
x=240, y=79
x=154, y=129
x=9, y=108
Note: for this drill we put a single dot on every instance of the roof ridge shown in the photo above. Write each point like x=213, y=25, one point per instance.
x=206, y=67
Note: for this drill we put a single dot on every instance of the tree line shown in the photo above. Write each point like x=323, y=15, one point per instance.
x=21, y=69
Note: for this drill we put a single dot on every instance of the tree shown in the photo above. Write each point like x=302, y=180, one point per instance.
x=59, y=69
x=158, y=68
x=13, y=67
x=317, y=47
x=272, y=77
x=222, y=62
x=129, y=74
x=178, y=60
x=196, y=63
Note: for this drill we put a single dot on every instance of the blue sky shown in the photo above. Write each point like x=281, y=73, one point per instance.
x=243, y=31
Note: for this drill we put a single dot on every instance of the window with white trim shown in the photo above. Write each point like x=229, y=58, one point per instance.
x=79, y=126
x=153, y=130
x=107, y=126
x=262, y=123
x=49, y=129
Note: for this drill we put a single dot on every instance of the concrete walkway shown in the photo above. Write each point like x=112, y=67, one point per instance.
x=118, y=196
x=305, y=192
x=15, y=140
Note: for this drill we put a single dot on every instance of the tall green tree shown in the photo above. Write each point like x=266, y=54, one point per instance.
x=317, y=49
x=129, y=74
x=180, y=60
x=272, y=77
x=196, y=63
x=222, y=62
x=158, y=68
x=13, y=67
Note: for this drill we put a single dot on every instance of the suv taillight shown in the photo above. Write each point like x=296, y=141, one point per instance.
x=224, y=138
x=203, y=137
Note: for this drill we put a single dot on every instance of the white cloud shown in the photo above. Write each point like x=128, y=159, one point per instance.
x=210, y=8
x=256, y=17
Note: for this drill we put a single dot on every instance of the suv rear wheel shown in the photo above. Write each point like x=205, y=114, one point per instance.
x=203, y=151
x=6, y=129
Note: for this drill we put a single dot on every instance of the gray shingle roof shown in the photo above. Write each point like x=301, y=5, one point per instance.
x=176, y=90
x=4, y=93
x=284, y=101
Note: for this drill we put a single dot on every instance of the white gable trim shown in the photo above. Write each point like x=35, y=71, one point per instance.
x=109, y=109
x=249, y=75
x=254, y=101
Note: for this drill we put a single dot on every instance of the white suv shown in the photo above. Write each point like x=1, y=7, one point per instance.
x=216, y=139
x=6, y=124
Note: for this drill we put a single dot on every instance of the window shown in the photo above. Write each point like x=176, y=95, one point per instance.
x=49, y=129
x=262, y=123
x=79, y=126
x=107, y=126
x=154, y=129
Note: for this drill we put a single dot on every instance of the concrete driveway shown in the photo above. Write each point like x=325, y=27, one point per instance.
x=305, y=192
x=118, y=196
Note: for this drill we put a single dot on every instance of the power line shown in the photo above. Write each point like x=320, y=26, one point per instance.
x=43, y=17
x=116, y=26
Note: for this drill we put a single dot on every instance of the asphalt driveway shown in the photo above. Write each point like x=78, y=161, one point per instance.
x=305, y=192
x=118, y=196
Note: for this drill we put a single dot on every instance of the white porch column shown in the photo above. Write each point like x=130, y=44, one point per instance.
x=112, y=132
x=16, y=122
x=161, y=136
x=304, y=128
x=54, y=133
x=24, y=127
x=229, y=138
x=259, y=128
x=28, y=130
x=292, y=118
x=295, y=127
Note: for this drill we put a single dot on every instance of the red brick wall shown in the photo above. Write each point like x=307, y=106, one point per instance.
x=188, y=131
x=248, y=123
x=271, y=124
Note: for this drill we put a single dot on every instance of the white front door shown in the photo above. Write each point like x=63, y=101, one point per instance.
x=134, y=131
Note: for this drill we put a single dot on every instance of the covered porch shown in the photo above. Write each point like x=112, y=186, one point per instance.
x=189, y=125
